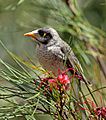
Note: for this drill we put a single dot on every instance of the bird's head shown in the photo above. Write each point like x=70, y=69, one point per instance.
x=43, y=35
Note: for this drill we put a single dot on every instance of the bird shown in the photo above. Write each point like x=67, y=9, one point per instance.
x=53, y=53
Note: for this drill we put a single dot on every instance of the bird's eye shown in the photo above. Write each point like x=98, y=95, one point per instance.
x=41, y=33
x=44, y=36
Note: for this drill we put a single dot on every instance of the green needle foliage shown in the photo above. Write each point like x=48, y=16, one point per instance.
x=23, y=96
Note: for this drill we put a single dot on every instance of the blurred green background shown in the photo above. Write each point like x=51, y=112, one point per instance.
x=20, y=16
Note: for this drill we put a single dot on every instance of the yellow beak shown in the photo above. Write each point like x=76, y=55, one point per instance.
x=31, y=34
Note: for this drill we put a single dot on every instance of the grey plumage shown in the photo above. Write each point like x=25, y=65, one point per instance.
x=53, y=53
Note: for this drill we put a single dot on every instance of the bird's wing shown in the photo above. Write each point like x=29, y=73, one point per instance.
x=64, y=52
x=70, y=59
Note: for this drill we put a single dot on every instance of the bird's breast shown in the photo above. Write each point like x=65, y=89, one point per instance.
x=48, y=60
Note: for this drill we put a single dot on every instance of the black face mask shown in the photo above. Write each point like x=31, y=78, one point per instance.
x=44, y=37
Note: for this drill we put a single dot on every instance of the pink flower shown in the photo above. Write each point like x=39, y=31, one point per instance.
x=52, y=81
x=63, y=79
x=60, y=81
x=100, y=112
